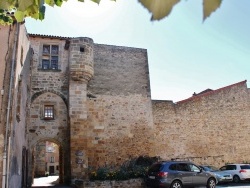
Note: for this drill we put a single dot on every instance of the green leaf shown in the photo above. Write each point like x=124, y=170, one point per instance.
x=210, y=6
x=50, y=2
x=4, y=4
x=33, y=11
x=58, y=2
x=159, y=8
x=96, y=1
x=24, y=4
x=19, y=15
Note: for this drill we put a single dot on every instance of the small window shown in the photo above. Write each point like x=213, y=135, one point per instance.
x=52, y=159
x=45, y=64
x=81, y=49
x=48, y=112
x=50, y=57
x=46, y=49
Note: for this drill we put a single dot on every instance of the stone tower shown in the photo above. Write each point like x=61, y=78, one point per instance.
x=80, y=72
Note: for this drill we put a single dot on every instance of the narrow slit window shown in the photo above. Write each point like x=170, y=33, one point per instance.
x=48, y=112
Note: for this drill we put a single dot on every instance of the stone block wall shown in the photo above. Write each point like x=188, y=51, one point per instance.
x=132, y=183
x=117, y=110
x=55, y=130
x=40, y=159
x=120, y=71
x=119, y=128
x=49, y=80
x=208, y=129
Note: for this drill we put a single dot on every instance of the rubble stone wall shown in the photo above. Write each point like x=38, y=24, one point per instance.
x=212, y=129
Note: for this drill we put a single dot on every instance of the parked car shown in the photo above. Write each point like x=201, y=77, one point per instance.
x=178, y=174
x=238, y=171
x=222, y=176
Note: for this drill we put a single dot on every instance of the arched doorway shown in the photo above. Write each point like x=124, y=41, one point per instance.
x=48, y=161
x=48, y=125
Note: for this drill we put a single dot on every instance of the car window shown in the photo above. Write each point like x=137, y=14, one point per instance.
x=156, y=167
x=245, y=166
x=223, y=168
x=203, y=168
x=172, y=167
x=182, y=167
x=194, y=168
x=212, y=168
x=231, y=167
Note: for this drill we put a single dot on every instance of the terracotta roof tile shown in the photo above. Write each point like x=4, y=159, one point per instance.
x=48, y=36
x=209, y=92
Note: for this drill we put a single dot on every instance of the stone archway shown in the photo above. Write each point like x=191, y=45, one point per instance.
x=48, y=159
x=53, y=128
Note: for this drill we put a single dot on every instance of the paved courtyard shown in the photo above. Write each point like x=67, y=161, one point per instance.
x=50, y=181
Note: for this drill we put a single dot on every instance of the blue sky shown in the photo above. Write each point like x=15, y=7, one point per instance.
x=185, y=54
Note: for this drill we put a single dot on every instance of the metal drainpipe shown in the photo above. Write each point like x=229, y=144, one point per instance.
x=13, y=60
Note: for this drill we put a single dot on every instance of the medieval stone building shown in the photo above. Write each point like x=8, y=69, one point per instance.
x=93, y=101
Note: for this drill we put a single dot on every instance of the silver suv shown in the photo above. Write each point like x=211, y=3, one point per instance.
x=178, y=174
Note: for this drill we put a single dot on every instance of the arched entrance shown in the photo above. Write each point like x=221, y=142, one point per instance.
x=48, y=127
x=48, y=160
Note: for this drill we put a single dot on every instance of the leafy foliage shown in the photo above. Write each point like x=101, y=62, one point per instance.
x=134, y=168
x=162, y=8
x=36, y=9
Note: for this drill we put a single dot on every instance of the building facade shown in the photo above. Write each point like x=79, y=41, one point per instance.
x=93, y=102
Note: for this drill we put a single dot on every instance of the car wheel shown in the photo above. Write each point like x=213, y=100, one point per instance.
x=236, y=179
x=211, y=183
x=176, y=184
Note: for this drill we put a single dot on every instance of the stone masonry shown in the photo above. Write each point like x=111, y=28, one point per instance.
x=211, y=128
x=93, y=101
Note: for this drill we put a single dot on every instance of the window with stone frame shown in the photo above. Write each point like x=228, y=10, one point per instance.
x=52, y=159
x=49, y=112
x=50, y=57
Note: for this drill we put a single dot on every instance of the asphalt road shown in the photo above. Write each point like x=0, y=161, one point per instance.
x=234, y=185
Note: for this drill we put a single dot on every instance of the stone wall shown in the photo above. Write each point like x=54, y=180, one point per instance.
x=114, y=111
x=209, y=129
x=40, y=159
x=49, y=80
x=50, y=87
x=120, y=71
x=132, y=183
x=118, y=128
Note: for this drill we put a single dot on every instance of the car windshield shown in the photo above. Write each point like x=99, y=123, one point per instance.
x=211, y=168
